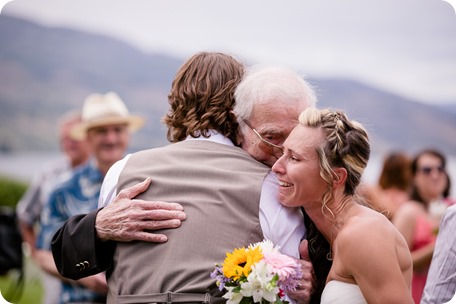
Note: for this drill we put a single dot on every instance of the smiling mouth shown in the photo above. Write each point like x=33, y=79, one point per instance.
x=284, y=184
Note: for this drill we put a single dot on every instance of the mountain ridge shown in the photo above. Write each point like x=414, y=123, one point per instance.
x=47, y=71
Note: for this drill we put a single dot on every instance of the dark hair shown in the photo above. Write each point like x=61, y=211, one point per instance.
x=202, y=97
x=415, y=195
x=447, y=191
x=318, y=249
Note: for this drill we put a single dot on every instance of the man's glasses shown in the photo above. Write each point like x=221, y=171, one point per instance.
x=428, y=170
x=266, y=146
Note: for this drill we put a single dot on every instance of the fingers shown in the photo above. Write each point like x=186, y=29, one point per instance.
x=155, y=225
x=300, y=295
x=135, y=190
x=160, y=215
x=150, y=237
x=303, y=291
x=129, y=219
x=134, y=220
x=304, y=250
x=152, y=205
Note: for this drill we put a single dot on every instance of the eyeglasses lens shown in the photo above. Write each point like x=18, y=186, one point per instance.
x=264, y=145
x=269, y=149
x=428, y=170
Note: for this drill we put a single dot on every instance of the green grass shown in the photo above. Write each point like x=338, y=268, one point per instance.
x=32, y=292
x=11, y=191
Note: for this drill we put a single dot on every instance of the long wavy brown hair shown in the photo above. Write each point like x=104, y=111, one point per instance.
x=202, y=97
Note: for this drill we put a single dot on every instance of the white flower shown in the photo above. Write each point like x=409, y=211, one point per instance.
x=259, y=285
x=267, y=247
x=232, y=297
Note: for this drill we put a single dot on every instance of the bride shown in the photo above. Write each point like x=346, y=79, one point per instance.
x=324, y=157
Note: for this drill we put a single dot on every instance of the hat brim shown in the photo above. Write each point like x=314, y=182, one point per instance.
x=79, y=132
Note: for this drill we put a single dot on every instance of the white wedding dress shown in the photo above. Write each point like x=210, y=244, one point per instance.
x=337, y=292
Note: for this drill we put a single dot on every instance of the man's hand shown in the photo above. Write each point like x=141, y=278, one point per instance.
x=95, y=283
x=306, y=286
x=127, y=219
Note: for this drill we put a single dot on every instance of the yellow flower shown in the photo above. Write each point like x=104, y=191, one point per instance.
x=240, y=262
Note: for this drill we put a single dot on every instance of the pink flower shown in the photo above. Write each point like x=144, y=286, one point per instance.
x=283, y=265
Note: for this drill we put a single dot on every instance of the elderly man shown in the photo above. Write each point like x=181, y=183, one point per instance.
x=106, y=126
x=261, y=137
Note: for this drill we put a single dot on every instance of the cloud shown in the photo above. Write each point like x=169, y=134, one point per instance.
x=452, y=3
x=381, y=42
x=3, y=3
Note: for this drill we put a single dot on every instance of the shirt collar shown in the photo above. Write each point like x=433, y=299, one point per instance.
x=214, y=136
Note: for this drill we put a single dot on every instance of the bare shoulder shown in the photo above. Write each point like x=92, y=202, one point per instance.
x=368, y=236
x=410, y=209
x=367, y=227
x=411, y=206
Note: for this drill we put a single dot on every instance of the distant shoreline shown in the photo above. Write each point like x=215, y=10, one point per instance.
x=22, y=166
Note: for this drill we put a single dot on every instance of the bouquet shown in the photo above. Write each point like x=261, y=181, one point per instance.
x=257, y=274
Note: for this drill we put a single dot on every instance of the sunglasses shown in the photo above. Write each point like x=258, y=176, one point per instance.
x=266, y=146
x=426, y=170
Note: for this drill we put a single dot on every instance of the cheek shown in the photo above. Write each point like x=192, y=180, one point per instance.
x=126, y=139
x=441, y=183
x=252, y=149
x=310, y=186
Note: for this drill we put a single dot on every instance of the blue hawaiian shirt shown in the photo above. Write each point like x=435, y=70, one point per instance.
x=79, y=194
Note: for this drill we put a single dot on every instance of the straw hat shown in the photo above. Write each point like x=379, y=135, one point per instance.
x=102, y=110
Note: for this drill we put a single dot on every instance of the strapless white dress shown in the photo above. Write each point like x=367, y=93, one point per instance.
x=337, y=292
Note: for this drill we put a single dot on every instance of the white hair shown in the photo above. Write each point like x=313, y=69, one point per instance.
x=263, y=84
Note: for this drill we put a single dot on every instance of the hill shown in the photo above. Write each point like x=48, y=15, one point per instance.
x=47, y=71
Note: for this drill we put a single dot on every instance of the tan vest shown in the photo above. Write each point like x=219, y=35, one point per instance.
x=219, y=187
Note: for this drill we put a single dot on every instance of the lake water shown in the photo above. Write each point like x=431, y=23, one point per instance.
x=23, y=166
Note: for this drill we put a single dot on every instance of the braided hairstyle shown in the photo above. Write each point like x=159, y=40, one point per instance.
x=346, y=145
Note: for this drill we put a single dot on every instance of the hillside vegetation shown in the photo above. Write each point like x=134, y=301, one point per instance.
x=47, y=71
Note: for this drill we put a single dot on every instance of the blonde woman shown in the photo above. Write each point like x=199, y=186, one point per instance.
x=324, y=157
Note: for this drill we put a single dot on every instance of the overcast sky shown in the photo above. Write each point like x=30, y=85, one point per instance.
x=405, y=46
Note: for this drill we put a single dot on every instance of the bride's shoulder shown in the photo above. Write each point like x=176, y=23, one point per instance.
x=365, y=228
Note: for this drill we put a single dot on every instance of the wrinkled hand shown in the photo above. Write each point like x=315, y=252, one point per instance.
x=307, y=284
x=127, y=219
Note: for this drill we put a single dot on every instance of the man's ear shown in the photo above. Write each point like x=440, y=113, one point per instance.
x=341, y=177
x=240, y=136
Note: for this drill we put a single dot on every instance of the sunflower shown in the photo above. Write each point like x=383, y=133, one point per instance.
x=240, y=261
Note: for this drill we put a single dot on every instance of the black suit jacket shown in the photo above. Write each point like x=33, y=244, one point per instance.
x=77, y=251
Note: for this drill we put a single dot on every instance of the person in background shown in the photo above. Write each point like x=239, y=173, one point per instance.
x=418, y=219
x=323, y=161
x=106, y=126
x=75, y=153
x=263, y=88
x=394, y=184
